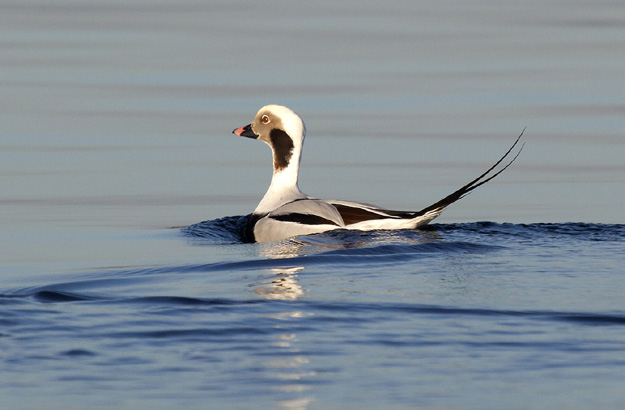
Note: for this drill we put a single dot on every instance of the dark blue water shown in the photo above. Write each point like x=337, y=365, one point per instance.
x=475, y=315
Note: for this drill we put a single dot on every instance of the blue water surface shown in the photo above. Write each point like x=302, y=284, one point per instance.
x=449, y=316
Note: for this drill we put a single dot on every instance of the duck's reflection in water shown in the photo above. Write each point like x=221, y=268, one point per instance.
x=320, y=244
x=289, y=367
x=280, y=284
x=291, y=370
x=282, y=281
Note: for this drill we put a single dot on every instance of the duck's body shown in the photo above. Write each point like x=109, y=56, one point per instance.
x=308, y=216
x=285, y=211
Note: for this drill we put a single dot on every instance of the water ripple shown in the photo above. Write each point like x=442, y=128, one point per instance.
x=350, y=311
x=228, y=230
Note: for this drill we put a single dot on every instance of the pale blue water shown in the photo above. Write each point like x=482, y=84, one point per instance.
x=115, y=134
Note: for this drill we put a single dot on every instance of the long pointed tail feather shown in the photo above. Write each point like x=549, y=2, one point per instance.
x=436, y=208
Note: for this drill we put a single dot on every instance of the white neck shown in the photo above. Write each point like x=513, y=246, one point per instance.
x=283, y=188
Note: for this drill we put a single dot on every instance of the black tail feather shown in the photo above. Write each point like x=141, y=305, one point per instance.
x=479, y=181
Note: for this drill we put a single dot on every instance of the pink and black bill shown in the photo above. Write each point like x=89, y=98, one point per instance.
x=245, y=132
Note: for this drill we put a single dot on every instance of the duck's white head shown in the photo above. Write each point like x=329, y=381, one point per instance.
x=284, y=131
x=280, y=128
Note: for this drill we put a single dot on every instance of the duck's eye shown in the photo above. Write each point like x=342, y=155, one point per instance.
x=264, y=119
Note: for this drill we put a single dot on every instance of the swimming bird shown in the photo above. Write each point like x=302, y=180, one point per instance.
x=285, y=211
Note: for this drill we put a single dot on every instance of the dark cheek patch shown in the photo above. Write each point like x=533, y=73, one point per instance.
x=282, y=148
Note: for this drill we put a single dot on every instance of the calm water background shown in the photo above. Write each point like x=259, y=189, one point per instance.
x=115, y=130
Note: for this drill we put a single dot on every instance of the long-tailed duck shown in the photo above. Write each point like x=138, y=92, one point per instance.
x=285, y=211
